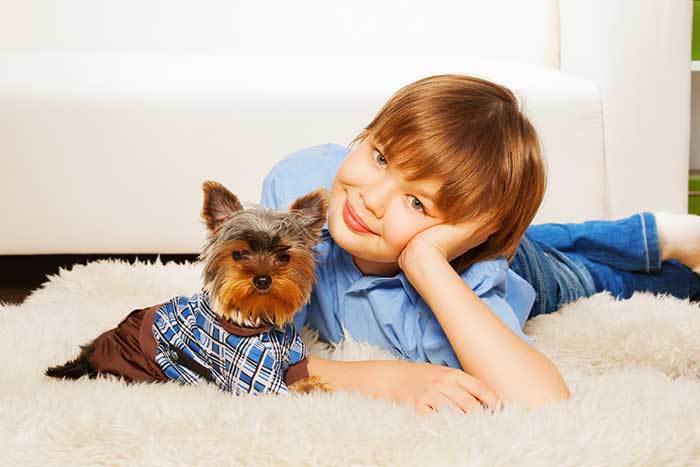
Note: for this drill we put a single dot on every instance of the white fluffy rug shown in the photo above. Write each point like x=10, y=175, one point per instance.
x=633, y=368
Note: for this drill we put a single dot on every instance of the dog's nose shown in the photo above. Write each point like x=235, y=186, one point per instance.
x=262, y=282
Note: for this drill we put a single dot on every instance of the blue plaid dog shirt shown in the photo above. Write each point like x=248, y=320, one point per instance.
x=193, y=343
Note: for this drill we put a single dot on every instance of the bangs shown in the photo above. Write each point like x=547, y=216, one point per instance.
x=460, y=158
x=470, y=137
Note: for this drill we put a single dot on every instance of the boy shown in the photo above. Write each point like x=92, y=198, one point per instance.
x=426, y=212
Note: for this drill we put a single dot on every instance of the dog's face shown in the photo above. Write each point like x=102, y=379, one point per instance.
x=259, y=264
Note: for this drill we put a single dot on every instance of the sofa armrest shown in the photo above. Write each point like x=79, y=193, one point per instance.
x=638, y=53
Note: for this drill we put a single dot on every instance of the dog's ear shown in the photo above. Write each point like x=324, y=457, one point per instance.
x=313, y=208
x=219, y=205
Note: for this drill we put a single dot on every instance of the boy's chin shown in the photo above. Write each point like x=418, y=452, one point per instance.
x=359, y=246
x=359, y=250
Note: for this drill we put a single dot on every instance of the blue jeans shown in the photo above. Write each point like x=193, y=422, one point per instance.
x=564, y=262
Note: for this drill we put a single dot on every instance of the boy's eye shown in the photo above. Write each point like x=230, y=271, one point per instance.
x=379, y=157
x=284, y=259
x=238, y=254
x=416, y=204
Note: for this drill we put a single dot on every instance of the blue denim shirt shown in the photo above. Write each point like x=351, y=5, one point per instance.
x=384, y=311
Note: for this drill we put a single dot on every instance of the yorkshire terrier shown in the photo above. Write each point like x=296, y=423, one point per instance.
x=238, y=331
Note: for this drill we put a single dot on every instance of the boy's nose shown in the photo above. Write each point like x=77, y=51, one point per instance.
x=375, y=198
x=262, y=282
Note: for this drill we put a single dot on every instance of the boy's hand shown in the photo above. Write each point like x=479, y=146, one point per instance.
x=447, y=240
x=430, y=388
x=424, y=386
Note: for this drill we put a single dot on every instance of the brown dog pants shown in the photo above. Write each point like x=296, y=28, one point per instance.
x=129, y=350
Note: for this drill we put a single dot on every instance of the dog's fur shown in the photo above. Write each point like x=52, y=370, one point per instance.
x=258, y=267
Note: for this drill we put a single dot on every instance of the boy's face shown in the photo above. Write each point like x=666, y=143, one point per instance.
x=369, y=193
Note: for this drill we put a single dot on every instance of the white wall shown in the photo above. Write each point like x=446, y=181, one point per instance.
x=510, y=29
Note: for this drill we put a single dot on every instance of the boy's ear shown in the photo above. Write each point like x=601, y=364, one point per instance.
x=312, y=207
x=219, y=205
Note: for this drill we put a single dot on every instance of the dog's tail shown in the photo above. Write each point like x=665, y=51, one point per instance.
x=76, y=368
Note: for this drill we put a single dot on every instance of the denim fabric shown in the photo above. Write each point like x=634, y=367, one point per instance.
x=556, y=278
x=564, y=262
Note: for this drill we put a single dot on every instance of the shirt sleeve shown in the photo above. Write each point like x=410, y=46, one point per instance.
x=500, y=307
x=488, y=281
x=273, y=197
x=297, y=351
x=296, y=372
x=300, y=173
x=297, y=174
x=298, y=360
x=270, y=196
x=436, y=346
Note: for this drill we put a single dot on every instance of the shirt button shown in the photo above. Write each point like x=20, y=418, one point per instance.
x=173, y=355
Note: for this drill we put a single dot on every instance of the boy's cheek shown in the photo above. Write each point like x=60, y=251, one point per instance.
x=397, y=235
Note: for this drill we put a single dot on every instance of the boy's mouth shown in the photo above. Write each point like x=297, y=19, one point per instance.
x=353, y=221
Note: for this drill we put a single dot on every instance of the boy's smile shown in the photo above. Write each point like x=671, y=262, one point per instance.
x=354, y=222
x=374, y=211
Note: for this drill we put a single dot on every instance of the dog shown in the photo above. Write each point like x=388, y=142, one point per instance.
x=237, y=332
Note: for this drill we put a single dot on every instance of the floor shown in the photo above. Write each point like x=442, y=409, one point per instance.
x=21, y=274
x=14, y=295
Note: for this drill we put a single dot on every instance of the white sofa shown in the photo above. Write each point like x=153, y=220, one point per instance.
x=112, y=115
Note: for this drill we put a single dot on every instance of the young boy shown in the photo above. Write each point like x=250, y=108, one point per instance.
x=426, y=212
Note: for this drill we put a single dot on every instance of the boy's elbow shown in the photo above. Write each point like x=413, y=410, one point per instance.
x=565, y=395
x=559, y=394
x=532, y=395
x=554, y=390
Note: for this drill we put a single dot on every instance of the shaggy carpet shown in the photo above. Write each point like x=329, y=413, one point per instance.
x=633, y=368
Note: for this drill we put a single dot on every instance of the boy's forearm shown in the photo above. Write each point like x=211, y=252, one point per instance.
x=349, y=375
x=486, y=348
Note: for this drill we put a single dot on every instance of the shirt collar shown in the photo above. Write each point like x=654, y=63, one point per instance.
x=367, y=281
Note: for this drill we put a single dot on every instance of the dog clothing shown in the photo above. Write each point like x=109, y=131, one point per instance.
x=239, y=359
x=183, y=340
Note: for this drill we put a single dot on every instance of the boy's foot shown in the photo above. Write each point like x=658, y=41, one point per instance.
x=679, y=238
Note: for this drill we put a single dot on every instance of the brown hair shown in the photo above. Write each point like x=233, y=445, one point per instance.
x=471, y=135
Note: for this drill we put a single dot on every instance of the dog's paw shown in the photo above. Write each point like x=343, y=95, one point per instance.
x=310, y=384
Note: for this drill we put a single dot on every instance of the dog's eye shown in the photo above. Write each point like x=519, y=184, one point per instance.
x=284, y=259
x=238, y=255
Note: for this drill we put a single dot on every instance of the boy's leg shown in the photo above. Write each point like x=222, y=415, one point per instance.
x=671, y=278
x=556, y=278
x=629, y=244
x=560, y=277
